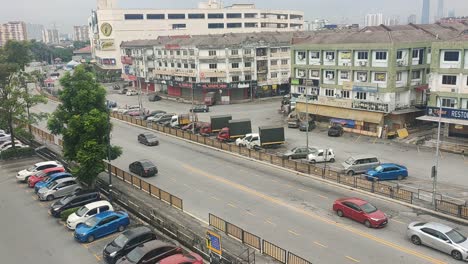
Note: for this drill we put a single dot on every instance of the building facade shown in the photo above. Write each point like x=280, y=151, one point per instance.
x=34, y=31
x=81, y=33
x=236, y=67
x=109, y=25
x=374, y=81
x=15, y=30
x=50, y=36
x=373, y=20
x=425, y=11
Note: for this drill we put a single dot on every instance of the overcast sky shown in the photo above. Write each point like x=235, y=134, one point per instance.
x=66, y=13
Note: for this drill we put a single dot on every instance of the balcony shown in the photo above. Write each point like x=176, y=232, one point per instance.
x=235, y=69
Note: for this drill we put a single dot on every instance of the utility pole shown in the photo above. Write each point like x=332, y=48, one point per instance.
x=109, y=151
x=435, y=168
x=193, y=109
x=307, y=119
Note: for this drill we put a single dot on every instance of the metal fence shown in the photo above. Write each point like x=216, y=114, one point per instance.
x=264, y=246
x=386, y=189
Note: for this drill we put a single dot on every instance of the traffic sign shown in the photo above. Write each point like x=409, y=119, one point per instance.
x=213, y=242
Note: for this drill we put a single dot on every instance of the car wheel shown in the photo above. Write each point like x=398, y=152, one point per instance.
x=289, y=157
x=313, y=161
x=350, y=173
x=367, y=224
x=121, y=228
x=456, y=255
x=332, y=160
x=50, y=198
x=339, y=213
x=416, y=240
x=90, y=239
x=400, y=177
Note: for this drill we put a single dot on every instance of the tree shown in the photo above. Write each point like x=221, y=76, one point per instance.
x=82, y=120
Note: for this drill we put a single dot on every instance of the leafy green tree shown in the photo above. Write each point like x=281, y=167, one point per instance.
x=82, y=120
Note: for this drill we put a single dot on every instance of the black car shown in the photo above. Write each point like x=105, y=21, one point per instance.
x=303, y=125
x=154, y=97
x=148, y=139
x=73, y=201
x=126, y=242
x=143, y=168
x=200, y=108
x=335, y=131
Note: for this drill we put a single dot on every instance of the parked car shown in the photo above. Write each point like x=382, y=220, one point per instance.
x=41, y=175
x=73, y=201
x=200, y=108
x=303, y=125
x=59, y=188
x=100, y=225
x=4, y=137
x=335, y=131
x=360, y=211
x=359, y=164
x=153, y=113
x=127, y=108
x=131, y=92
x=148, y=139
x=163, y=118
x=126, y=242
x=24, y=175
x=387, y=171
x=51, y=178
x=150, y=252
x=111, y=104
x=123, y=91
x=299, y=152
x=188, y=258
x=134, y=113
x=242, y=142
x=143, y=168
x=321, y=155
x=87, y=211
x=17, y=146
x=190, y=127
x=154, y=97
x=156, y=117
x=293, y=123
x=440, y=237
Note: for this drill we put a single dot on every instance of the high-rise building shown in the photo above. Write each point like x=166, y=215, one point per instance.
x=50, y=36
x=440, y=9
x=15, y=30
x=392, y=21
x=81, y=33
x=374, y=19
x=412, y=19
x=425, y=12
x=34, y=31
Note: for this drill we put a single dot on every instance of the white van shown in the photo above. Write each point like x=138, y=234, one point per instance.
x=87, y=211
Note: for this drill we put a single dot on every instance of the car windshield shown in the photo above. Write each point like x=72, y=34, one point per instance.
x=378, y=168
x=148, y=136
x=46, y=178
x=40, y=174
x=350, y=161
x=455, y=236
x=82, y=211
x=135, y=255
x=368, y=208
x=120, y=241
x=51, y=184
x=91, y=221
x=33, y=168
x=146, y=164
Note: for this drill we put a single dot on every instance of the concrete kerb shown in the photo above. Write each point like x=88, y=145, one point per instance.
x=426, y=210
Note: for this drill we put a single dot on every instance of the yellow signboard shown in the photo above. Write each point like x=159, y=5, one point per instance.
x=402, y=133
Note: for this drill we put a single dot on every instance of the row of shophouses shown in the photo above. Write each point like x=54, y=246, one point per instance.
x=373, y=81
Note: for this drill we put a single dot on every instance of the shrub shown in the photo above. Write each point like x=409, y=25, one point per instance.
x=64, y=215
x=17, y=153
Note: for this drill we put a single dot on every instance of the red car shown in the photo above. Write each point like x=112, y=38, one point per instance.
x=361, y=211
x=40, y=176
x=182, y=259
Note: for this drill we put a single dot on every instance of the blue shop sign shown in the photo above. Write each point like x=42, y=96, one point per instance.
x=368, y=89
x=448, y=113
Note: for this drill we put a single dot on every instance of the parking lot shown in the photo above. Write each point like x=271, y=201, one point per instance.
x=29, y=234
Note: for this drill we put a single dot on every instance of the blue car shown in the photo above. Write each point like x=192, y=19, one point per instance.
x=387, y=171
x=51, y=178
x=100, y=225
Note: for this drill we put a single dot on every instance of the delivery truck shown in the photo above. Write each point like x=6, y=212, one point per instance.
x=178, y=121
x=268, y=136
x=234, y=130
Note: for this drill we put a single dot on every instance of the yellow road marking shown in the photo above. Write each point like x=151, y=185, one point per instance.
x=214, y=197
x=357, y=138
x=41, y=204
x=247, y=212
x=97, y=257
x=302, y=190
x=274, y=180
x=315, y=216
x=321, y=196
x=353, y=259
x=400, y=222
x=232, y=205
x=102, y=239
x=321, y=245
x=292, y=232
x=269, y=222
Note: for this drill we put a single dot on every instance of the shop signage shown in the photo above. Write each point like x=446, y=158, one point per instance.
x=448, y=113
x=212, y=85
x=242, y=85
x=107, y=44
x=370, y=106
x=336, y=102
x=172, y=46
x=368, y=89
x=295, y=81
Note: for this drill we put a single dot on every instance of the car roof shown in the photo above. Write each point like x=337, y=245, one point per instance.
x=154, y=244
x=47, y=163
x=96, y=204
x=178, y=258
x=53, y=169
x=363, y=156
x=137, y=231
x=65, y=179
x=355, y=200
x=59, y=174
x=105, y=214
x=439, y=227
x=386, y=165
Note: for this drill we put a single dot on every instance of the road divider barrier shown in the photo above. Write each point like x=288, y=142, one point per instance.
x=263, y=246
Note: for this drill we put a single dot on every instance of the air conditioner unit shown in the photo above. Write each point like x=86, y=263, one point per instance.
x=330, y=76
x=400, y=63
x=363, y=78
x=454, y=90
x=301, y=74
x=363, y=63
x=329, y=57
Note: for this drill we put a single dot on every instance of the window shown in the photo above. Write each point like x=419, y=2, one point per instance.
x=235, y=78
x=449, y=79
x=248, y=77
x=213, y=79
x=250, y=25
x=179, y=26
x=363, y=55
x=234, y=52
x=155, y=16
x=330, y=75
x=179, y=65
x=416, y=75
x=213, y=66
x=274, y=75
x=451, y=55
x=381, y=55
x=215, y=15
x=171, y=52
x=192, y=65
x=273, y=50
x=361, y=76
x=212, y=53
x=399, y=76
x=196, y=16
x=284, y=62
x=247, y=52
x=464, y=104
x=314, y=73
x=274, y=62
x=235, y=65
x=176, y=16
x=399, y=54
x=215, y=25
x=361, y=95
x=330, y=92
x=234, y=25
x=380, y=76
x=330, y=55
x=250, y=15
x=448, y=102
x=234, y=15
x=416, y=53
x=247, y=64
x=301, y=55
x=185, y=65
x=344, y=75
x=284, y=49
x=314, y=54
x=301, y=89
x=284, y=73
x=184, y=52
x=345, y=94
x=133, y=16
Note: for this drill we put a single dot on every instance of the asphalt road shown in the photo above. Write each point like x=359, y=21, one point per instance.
x=28, y=234
x=288, y=210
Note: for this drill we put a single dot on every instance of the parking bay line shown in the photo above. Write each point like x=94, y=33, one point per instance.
x=97, y=257
x=353, y=259
x=102, y=239
x=294, y=233
x=315, y=216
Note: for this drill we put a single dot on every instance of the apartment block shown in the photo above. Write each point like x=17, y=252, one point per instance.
x=81, y=33
x=15, y=30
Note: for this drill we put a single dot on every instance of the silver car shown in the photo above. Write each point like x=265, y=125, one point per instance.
x=440, y=237
x=59, y=188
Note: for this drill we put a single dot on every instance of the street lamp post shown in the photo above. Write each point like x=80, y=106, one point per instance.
x=435, y=168
x=109, y=151
x=307, y=120
x=193, y=109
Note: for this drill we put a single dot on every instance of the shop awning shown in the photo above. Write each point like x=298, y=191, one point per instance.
x=444, y=120
x=341, y=113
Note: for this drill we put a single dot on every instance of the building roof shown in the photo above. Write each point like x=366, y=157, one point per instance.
x=83, y=50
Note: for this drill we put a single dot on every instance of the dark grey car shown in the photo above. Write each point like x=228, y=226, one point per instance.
x=299, y=153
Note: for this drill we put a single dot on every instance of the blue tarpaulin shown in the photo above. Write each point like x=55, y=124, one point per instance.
x=344, y=122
